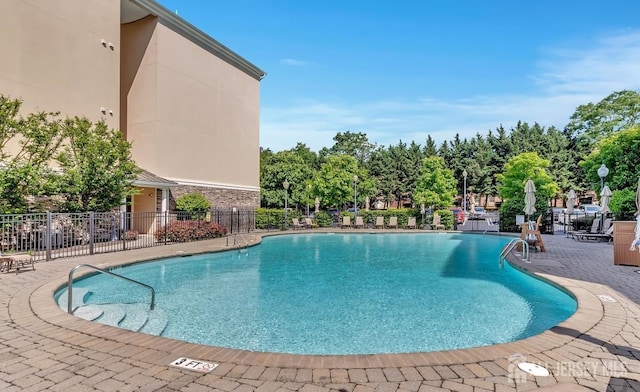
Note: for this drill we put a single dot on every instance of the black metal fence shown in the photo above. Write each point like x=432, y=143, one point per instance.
x=47, y=236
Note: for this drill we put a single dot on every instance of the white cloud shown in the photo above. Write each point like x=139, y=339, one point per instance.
x=566, y=78
x=293, y=62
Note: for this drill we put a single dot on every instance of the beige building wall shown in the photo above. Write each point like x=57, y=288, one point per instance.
x=53, y=57
x=192, y=117
x=189, y=105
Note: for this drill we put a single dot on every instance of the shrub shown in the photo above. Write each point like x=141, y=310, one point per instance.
x=192, y=230
x=623, y=204
x=268, y=218
x=193, y=204
x=323, y=219
x=131, y=235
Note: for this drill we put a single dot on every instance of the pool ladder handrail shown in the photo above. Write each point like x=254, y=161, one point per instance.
x=235, y=241
x=102, y=271
x=512, y=244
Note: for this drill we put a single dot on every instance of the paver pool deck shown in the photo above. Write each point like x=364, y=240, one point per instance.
x=44, y=348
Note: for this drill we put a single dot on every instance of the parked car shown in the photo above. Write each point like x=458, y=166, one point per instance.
x=458, y=214
x=478, y=213
x=557, y=213
x=580, y=213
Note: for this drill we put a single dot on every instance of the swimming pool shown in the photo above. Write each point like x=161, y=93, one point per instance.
x=346, y=294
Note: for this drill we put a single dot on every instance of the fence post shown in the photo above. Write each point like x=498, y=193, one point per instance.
x=91, y=231
x=123, y=233
x=166, y=222
x=47, y=237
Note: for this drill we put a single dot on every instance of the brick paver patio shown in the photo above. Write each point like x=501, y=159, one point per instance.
x=43, y=348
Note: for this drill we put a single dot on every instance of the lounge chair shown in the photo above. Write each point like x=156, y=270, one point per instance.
x=411, y=223
x=379, y=222
x=309, y=223
x=393, y=222
x=295, y=224
x=595, y=229
x=358, y=223
x=491, y=226
x=606, y=236
x=435, y=224
x=346, y=222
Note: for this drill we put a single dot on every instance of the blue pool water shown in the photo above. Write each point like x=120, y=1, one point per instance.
x=345, y=294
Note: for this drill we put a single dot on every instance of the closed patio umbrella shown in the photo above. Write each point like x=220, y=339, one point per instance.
x=529, y=197
x=605, y=197
x=571, y=201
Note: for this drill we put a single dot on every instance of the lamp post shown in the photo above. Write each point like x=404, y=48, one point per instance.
x=285, y=185
x=603, y=171
x=464, y=196
x=355, y=195
x=308, y=191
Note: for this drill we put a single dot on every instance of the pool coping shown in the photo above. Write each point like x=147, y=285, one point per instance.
x=590, y=312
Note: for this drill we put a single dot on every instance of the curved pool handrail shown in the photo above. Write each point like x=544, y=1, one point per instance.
x=510, y=246
x=70, y=285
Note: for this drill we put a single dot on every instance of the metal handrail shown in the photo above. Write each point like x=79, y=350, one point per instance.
x=235, y=241
x=512, y=244
x=70, y=285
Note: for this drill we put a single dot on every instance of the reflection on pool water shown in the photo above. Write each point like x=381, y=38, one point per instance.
x=345, y=294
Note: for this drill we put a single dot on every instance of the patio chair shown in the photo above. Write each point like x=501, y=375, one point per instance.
x=309, y=223
x=531, y=234
x=379, y=222
x=606, y=236
x=358, y=223
x=435, y=224
x=346, y=222
x=411, y=223
x=595, y=229
x=295, y=224
x=393, y=222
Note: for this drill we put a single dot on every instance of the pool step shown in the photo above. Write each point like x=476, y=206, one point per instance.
x=134, y=317
x=79, y=295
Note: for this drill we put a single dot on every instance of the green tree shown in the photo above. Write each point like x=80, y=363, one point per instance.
x=436, y=187
x=194, y=204
x=334, y=182
x=97, y=168
x=354, y=144
x=281, y=166
x=620, y=152
x=592, y=122
x=517, y=171
x=25, y=171
x=521, y=168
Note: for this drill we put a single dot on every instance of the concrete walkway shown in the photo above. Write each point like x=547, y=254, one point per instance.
x=43, y=348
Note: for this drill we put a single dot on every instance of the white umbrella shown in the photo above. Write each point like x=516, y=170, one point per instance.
x=472, y=204
x=529, y=197
x=605, y=196
x=571, y=201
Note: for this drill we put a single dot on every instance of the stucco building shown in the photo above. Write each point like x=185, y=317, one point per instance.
x=189, y=105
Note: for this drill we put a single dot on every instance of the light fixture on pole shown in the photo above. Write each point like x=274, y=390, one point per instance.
x=355, y=195
x=603, y=171
x=464, y=196
x=285, y=185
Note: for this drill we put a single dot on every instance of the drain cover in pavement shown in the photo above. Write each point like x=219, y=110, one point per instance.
x=533, y=369
x=606, y=298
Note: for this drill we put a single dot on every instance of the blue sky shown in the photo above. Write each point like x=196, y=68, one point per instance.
x=402, y=70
